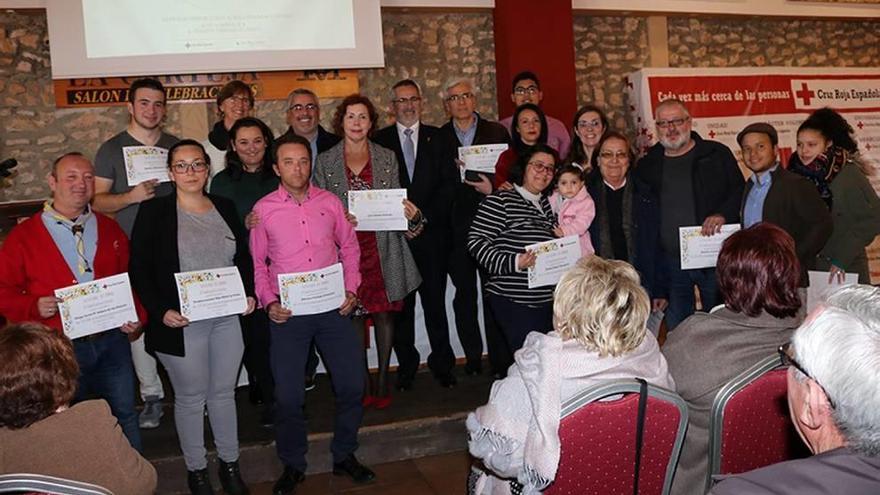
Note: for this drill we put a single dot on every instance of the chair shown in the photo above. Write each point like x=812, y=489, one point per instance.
x=50, y=485
x=750, y=426
x=598, y=441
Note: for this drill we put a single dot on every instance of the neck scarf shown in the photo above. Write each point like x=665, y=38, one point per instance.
x=77, y=227
x=822, y=170
x=219, y=136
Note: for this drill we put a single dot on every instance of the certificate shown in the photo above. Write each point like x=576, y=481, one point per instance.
x=378, y=209
x=213, y=293
x=820, y=287
x=699, y=251
x=481, y=158
x=554, y=258
x=143, y=163
x=309, y=293
x=96, y=306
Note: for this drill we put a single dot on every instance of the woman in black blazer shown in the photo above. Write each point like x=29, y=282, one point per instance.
x=186, y=231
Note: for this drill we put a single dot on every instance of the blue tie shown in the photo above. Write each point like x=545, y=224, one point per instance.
x=409, y=152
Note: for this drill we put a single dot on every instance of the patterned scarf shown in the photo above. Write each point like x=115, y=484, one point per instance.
x=822, y=170
x=77, y=228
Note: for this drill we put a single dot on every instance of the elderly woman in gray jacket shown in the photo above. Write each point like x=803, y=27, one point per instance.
x=388, y=270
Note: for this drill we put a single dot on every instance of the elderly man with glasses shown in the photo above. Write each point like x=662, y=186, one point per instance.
x=834, y=360
x=698, y=182
x=304, y=119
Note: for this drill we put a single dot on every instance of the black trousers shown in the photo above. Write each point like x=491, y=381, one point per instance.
x=431, y=254
x=255, y=333
x=518, y=320
x=463, y=270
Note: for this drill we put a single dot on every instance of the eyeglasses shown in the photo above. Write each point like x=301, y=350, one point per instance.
x=786, y=360
x=672, y=122
x=299, y=107
x=531, y=90
x=404, y=101
x=589, y=124
x=183, y=167
x=542, y=167
x=240, y=99
x=460, y=97
x=611, y=155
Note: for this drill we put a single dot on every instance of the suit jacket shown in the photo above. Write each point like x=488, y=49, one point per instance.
x=434, y=177
x=836, y=471
x=794, y=205
x=398, y=266
x=32, y=266
x=467, y=199
x=326, y=140
x=155, y=260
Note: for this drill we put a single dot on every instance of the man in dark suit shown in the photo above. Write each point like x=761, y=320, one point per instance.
x=304, y=119
x=428, y=172
x=467, y=128
x=778, y=196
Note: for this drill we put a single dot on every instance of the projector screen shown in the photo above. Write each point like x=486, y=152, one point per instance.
x=95, y=38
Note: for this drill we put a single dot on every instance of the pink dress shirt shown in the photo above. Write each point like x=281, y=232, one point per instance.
x=300, y=237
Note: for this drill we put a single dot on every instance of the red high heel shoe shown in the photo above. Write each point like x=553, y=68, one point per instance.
x=382, y=402
x=368, y=401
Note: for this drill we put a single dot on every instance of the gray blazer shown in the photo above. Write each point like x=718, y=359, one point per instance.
x=398, y=266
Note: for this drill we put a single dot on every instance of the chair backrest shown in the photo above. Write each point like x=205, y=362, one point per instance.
x=50, y=485
x=598, y=439
x=750, y=426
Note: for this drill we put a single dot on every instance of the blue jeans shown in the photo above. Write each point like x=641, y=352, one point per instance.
x=105, y=370
x=681, y=292
x=341, y=349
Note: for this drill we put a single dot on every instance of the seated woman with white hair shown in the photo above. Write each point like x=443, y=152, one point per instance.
x=599, y=313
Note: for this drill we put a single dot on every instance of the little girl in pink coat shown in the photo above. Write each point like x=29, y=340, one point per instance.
x=574, y=207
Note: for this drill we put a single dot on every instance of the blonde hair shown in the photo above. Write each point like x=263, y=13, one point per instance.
x=601, y=304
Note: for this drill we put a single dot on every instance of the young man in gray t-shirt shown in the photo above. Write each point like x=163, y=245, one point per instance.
x=113, y=196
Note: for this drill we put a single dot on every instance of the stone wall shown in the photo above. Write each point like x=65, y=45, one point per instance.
x=607, y=48
x=430, y=47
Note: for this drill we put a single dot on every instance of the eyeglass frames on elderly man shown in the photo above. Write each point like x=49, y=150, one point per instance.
x=786, y=360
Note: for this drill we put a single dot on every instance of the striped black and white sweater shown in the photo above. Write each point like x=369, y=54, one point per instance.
x=504, y=225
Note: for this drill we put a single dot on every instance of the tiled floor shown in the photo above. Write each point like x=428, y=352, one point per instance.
x=434, y=475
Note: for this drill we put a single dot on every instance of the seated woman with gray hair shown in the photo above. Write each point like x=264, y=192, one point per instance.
x=599, y=313
x=40, y=433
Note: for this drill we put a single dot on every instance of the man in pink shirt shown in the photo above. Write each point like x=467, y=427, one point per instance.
x=304, y=228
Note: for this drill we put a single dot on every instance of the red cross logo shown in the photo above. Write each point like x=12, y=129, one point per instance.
x=805, y=94
x=860, y=125
x=712, y=134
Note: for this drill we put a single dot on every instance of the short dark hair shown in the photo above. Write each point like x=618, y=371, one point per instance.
x=568, y=168
x=181, y=144
x=518, y=145
x=290, y=138
x=145, y=82
x=38, y=373
x=350, y=100
x=522, y=76
x=233, y=162
x=233, y=88
x=759, y=128
x=758, y=270
x=609, y=135
x=518, y=171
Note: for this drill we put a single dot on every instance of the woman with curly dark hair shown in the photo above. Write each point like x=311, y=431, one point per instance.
x=41, y=434
x=828, y=156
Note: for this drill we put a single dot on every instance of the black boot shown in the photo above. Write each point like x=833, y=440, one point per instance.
x=198, y=482
x=230, y=479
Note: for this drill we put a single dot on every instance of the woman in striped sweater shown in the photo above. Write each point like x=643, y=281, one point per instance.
x=505, y=223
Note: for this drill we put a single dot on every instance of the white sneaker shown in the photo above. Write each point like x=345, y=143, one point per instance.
x=152, y=413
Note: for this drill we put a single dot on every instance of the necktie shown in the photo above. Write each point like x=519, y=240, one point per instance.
x=409, y=152
x=77, y=228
